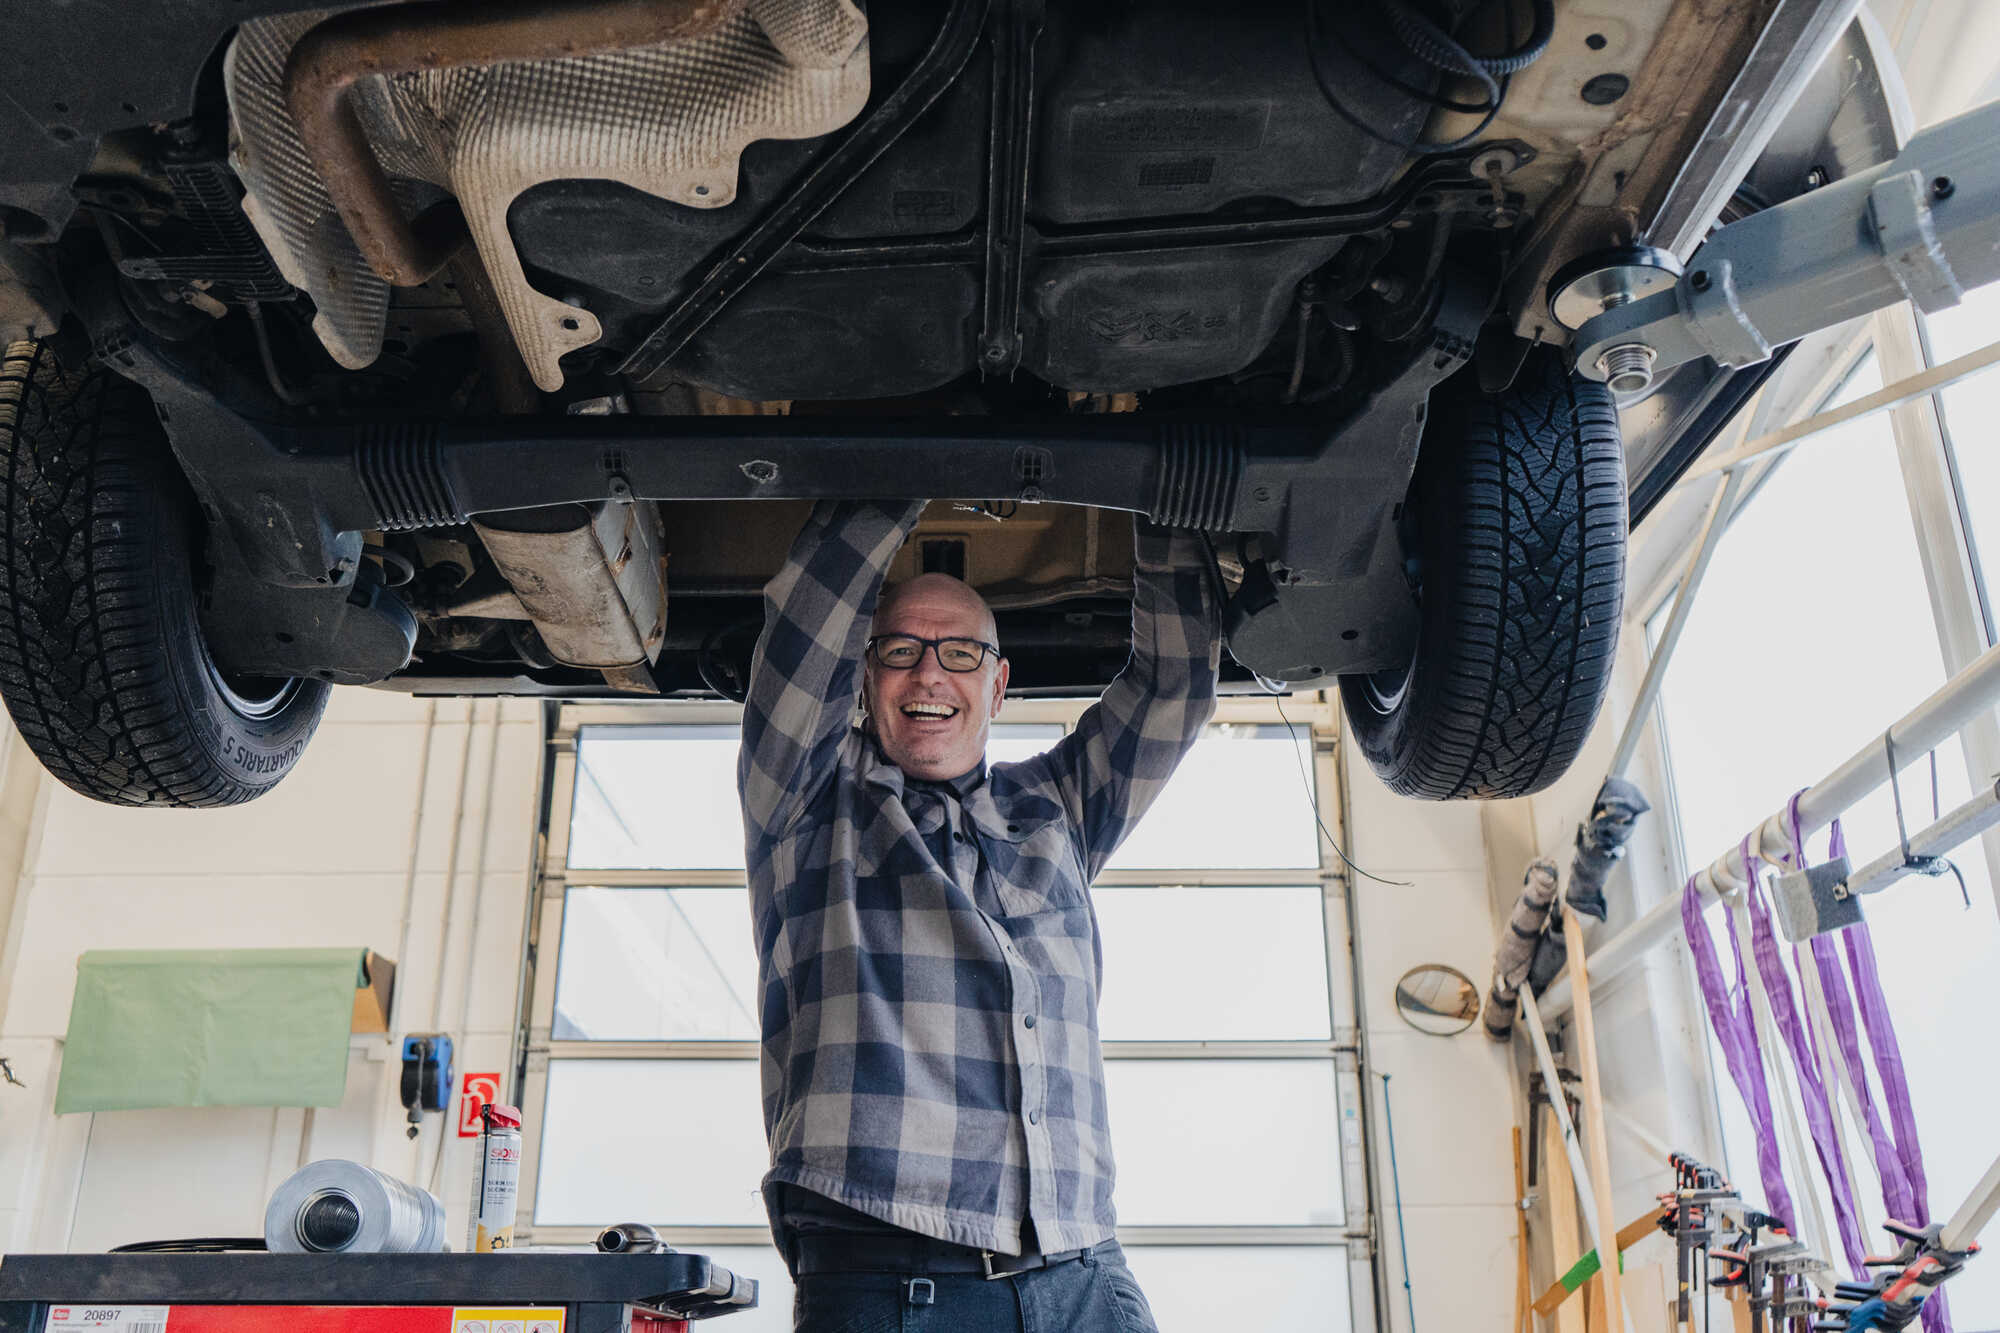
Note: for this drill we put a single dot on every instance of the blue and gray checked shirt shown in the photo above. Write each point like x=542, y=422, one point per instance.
x=930, y=1049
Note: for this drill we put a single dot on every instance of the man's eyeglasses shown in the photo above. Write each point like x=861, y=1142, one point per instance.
x=902, y=652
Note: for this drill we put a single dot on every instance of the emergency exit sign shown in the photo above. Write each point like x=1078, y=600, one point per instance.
x=475, y=1092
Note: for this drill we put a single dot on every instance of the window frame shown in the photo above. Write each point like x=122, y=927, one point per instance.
x=1316, y=720
x=1918, y=431
x=1895, y=337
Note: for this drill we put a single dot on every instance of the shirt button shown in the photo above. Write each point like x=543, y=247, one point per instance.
x=1027, y=1020
x=1035, y=1117
x=958, y=837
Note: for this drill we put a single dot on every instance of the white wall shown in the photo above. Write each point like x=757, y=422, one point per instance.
x=1453, y=1097
x=407, y=827
x=327, y=860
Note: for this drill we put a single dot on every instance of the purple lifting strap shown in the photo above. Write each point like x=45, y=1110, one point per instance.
x=1881, y=1031
x=1897, y=1196
x=1729, y=1015
x=1819, y=1112
x=1900, y=1167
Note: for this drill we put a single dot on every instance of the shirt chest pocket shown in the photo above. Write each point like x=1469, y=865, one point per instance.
x=1035, y=867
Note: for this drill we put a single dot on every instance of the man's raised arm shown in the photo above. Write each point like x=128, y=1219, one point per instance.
x=806, y=673
x=1126, y=745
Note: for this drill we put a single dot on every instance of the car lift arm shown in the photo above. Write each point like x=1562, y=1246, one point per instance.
x=1923, y=226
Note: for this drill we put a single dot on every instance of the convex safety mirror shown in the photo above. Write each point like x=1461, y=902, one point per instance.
x=1437, y=999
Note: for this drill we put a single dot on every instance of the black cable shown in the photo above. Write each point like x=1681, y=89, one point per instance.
x=1434, y=46
x=1304, y=342
x=396, y=560
x=1496, y=90
x=192, y=1245
x=1409, y=90
x=1314, y=805
x=285, y=394
x=1313, y=42
x=1344, y=369
x=1431, y=98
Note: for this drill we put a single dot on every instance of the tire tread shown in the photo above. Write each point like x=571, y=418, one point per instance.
x=89, y=498
x=1517, y=657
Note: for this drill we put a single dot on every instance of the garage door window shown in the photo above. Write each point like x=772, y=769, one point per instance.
x=1226, y=1083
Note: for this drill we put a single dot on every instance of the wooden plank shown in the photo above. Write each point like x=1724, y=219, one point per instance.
x=1739, y=1309
x=1520, y=1241
x=1565, y=1243
x=1646, y=1289
x=1597, y=1149
x=1566, y=1284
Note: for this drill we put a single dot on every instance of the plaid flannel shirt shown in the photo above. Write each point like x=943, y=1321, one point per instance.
x=930, y=1048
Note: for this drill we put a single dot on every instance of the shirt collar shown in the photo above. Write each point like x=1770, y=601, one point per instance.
x=879, y=772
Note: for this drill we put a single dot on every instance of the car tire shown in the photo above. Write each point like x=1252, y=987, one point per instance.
x=1519, y=512
x=102, y=661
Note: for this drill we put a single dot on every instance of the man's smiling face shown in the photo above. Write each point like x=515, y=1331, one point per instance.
x=933, y=723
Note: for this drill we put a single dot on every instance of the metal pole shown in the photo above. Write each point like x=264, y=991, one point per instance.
x=1402, y=1240
x=1538, y=1040
x=1890, y=395
x=1970, y=820
x=1925, y=727
x=1977, y=1210
x=1719, y=512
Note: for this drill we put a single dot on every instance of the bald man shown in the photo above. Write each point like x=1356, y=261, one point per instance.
x=928, y=956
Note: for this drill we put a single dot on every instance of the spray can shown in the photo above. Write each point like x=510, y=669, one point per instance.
x=496, y=1184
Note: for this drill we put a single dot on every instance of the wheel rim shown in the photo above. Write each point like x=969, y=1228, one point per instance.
x=1383, y=691
x=250, y=696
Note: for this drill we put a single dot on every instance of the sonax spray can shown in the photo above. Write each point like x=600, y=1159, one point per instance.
x=496, y=1185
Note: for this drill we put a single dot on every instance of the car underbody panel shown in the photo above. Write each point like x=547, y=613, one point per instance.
x=481, y=329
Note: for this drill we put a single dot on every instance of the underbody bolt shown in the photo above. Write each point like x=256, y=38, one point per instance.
x=1627, y=368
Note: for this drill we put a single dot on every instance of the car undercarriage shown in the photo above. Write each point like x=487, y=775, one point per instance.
x=500, y=347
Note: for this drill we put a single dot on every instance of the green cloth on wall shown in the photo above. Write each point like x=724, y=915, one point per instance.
x=209, y=1027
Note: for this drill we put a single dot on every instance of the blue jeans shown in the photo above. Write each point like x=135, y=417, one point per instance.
x=1094, y=1294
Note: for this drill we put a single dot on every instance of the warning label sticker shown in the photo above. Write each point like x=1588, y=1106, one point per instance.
x=499, y=1319
x=109, y=1318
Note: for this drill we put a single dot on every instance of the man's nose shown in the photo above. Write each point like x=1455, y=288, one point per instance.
x=929, y=670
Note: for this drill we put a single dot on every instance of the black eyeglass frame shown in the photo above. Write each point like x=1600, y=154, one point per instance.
x=936, y=650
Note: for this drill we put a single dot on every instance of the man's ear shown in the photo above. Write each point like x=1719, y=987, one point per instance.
x=1000, y=686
